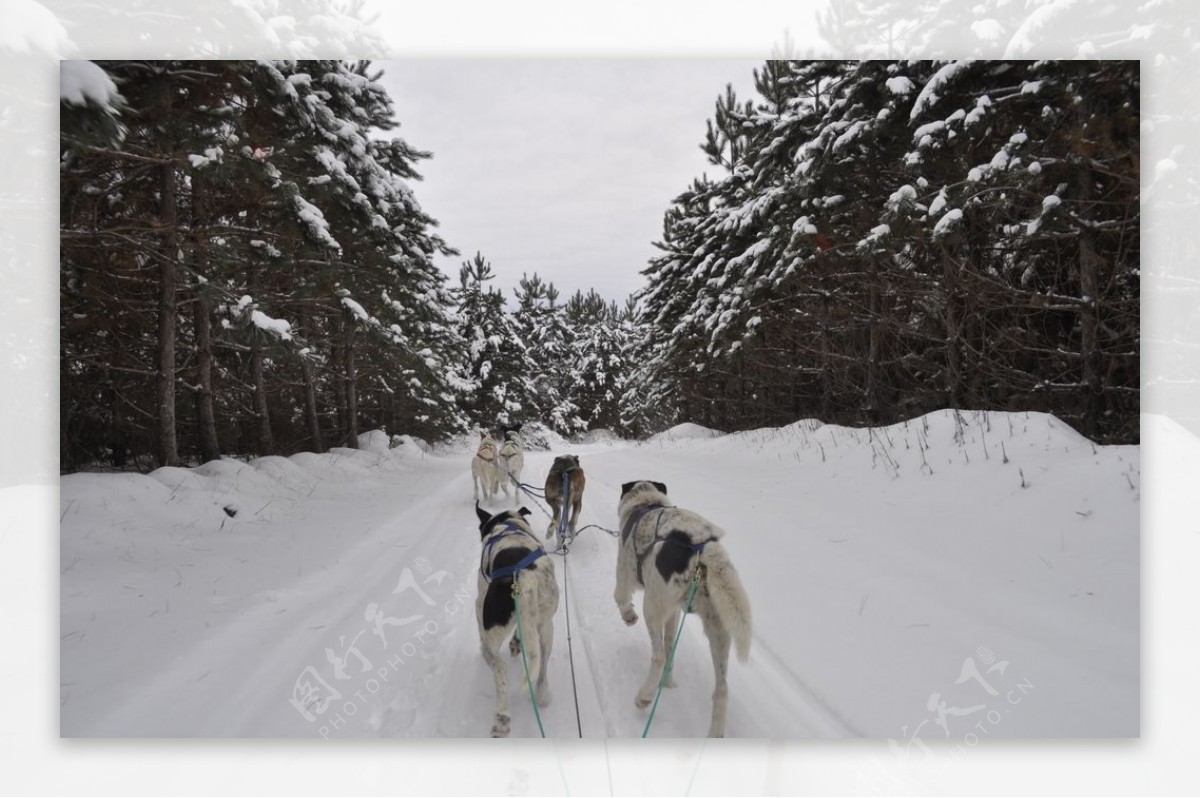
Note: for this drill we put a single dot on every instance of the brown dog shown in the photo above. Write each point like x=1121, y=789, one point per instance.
x=565, y=464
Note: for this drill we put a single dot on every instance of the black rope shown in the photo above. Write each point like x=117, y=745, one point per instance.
x=529, y=491
x=563, y=542
x=563, y=548
x=613, y=532
x=570, y=650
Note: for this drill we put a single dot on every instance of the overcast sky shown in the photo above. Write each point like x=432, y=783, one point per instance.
x=560, y=167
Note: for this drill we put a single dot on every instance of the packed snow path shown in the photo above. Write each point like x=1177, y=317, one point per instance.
x=904, y=585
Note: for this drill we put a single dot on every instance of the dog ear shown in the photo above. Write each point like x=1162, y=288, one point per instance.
x=661, y=487
x=524, y=511
x=482, y=434
x=483, y=515
x=628, y=486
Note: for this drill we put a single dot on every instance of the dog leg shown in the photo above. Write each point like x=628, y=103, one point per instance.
x=555, y=507
x=502, y=720
x=623, y=594
x=575, y=505
x=655, y=620
x=532, y=645
x=672, y=629
x=546, y=637
x=718, y=642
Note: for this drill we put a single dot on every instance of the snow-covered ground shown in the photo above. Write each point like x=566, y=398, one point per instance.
x=956, y=576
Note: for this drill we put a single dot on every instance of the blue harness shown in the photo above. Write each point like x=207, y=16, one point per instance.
x=636, y=517
x=566, y=503
x=511, y=530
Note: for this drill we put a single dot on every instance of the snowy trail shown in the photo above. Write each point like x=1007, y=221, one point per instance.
x=339, y=602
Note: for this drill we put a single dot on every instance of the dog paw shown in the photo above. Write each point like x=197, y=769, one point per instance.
x=501, y=727
x=544, y=697
x=514, y=646
x=642, y=701
x=629, y=616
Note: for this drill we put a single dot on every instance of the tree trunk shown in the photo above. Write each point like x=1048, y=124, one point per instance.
x=266, y=441
x=311, y=415
x=874, y=343
x=1089, y=319
x=206, y=417
x=351, y=391
x=168, y=444
x=954, y=375
x=826, y=362
x=337, y=357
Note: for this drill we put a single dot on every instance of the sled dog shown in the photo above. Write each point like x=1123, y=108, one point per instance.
x=559, y=504
x=512, y=552
x=662, y=548
x=510, y=460
x=483, y=467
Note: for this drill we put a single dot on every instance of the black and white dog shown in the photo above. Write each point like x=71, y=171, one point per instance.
x=662, y=548
x=512, y=552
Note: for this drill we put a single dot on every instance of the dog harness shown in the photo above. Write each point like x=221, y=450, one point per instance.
x=636, y=518
x=510, y=530
x=566, y=501
x=509, y=450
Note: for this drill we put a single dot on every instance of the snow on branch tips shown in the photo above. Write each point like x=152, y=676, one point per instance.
x=929, y=93
x=947, y=223
x=359, y=312
x=83, y=82
x=246, y=311
x=314, y=221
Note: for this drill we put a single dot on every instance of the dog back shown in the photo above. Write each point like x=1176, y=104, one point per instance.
x=507, y=539
x=554, y=480
x=648, y=520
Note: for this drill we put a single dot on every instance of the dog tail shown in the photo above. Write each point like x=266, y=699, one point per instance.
x=728, y=597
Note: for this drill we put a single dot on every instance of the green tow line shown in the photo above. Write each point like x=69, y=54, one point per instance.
x=516, y=591
x=666, y=674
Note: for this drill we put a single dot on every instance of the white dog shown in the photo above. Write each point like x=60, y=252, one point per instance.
x=512, y=553
x=483, y=467
x=510, y=460
x=662, y=548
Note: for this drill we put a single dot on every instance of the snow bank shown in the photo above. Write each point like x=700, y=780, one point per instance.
x=598, y=436
x=374, y=441
x=683, y=432
x=538, y=437
x=414, y=444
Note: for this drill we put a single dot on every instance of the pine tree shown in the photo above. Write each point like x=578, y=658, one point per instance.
x=599, y=368
x=541, y=323
x=279, y=238
x=502, y=372
x=893, y=237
